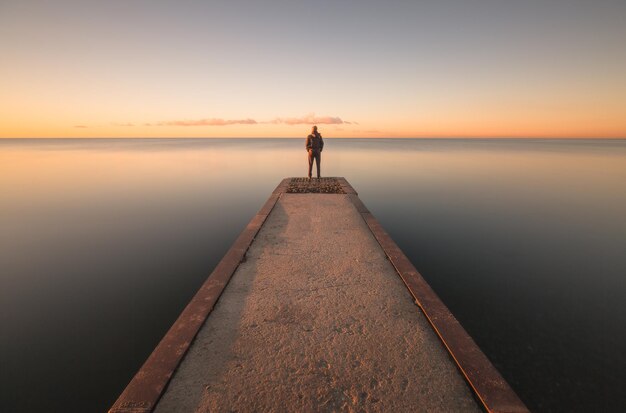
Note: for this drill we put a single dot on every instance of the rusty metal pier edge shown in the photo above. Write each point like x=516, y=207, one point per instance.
x=145, y=389
x=143, y=392
x=488, y=385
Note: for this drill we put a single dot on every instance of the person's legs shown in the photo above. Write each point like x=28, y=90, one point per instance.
x=318, y=160
x=310, y=162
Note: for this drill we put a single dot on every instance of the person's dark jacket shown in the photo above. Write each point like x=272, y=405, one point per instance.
x=315, y=142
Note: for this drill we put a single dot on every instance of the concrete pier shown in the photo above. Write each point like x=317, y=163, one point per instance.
x=314, y=309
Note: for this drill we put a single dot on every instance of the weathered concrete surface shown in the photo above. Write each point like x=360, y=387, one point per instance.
x=316, y=319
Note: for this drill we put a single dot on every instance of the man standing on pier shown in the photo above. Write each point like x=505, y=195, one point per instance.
x=314, y=146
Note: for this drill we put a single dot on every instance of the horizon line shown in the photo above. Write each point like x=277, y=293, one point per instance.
x=345, y=137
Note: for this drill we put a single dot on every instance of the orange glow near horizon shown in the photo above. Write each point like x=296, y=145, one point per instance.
x=559, y=127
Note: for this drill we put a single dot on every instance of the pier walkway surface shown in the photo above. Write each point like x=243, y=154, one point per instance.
x=315, y=317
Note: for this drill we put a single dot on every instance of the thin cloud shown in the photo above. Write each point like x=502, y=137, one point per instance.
x=123, y=124
x=310, y=119
x=209, y=122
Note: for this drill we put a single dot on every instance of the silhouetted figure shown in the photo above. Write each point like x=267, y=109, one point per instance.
x=314, y=146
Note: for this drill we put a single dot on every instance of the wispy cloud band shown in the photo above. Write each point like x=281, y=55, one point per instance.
x=309, y=119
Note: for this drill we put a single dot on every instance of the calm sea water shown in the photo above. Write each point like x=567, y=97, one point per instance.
x=103, y=242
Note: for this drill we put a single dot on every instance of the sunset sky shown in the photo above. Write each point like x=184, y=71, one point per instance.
x=470, y=68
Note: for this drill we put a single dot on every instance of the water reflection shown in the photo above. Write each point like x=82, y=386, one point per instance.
x=103, y=242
